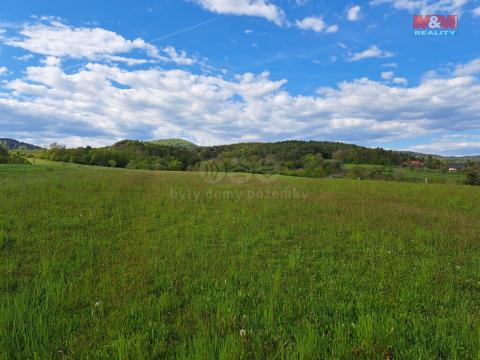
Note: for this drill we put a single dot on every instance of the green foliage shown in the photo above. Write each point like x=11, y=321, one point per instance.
x=404, y=174
x=174, y=143
x=4, y=155
x=473, y=176
x=19, y=159
x=297, y=158
x=101, y=264
x=434, y=163
x=11, y=158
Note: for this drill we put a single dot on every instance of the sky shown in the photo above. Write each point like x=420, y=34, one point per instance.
x=225, y=71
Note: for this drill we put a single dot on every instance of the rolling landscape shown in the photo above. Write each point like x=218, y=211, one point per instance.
x=239, y=180
x=102, y=262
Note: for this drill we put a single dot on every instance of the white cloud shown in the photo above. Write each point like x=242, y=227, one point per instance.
x=371, y=52
x=24, y=57
x=258, y=8
x=400, y=81
x=52, y=61
x=426, y=6
x=3, y=70
x=127, y=60
x=387, y=75
x=470, y=68
x=54, y=106
x=316, y=24
x=476, y=11
x=332, y=29
x=353, y=13
x=55, y=39
x=180, y=58
x=451, y=145
x=47, y=104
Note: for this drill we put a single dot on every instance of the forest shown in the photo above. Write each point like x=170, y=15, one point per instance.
x=304, y=158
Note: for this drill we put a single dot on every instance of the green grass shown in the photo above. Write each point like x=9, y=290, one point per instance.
x=39, y=165
x=416, y=175
x=174, y=143
x=106, y=263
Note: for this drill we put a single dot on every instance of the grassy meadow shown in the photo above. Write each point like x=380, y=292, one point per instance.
x=419, y=175
x=117, y=264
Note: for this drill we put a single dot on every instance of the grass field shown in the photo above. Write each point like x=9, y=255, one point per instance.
x=416, y=175
x=106, y=263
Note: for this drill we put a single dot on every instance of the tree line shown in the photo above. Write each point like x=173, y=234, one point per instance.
x=7, y=157
x=302, y=158
x=293, y=158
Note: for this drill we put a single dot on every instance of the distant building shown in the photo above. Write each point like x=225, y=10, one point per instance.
x=456, y=167
x=417, y=163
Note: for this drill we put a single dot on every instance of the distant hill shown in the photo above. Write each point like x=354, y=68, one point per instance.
x=287, y=157
x=447, y=159
x=174, y=143
x=461, y=159
x=12, y=144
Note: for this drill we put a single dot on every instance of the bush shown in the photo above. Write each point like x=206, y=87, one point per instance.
x=13, y=158
x=18, y=159
x=4, y=155
x=473, y=177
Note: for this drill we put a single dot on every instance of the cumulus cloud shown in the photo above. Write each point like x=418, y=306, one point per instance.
x=452, y=145
x=47, y=104
x=389, y=76
x=159, y=103
x=53, y=38
x=426, y=6
x=52, y=61
x=400, y=81
x=180, y=58
x=26, y=57
x=3, y=70
x=258, y=8
x=476, y=11
x=470, y=68
x=372, y=52
x=353, y=13
x=316, y=24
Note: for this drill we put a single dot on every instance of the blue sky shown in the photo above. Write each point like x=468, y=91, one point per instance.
x=222, y=71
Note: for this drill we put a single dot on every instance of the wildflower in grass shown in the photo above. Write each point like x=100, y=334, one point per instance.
x=98, y=303
x=243, y=332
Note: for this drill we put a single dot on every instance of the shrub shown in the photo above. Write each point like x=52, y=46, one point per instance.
x=473, y=177
x=13, y=158
x=4, y=155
